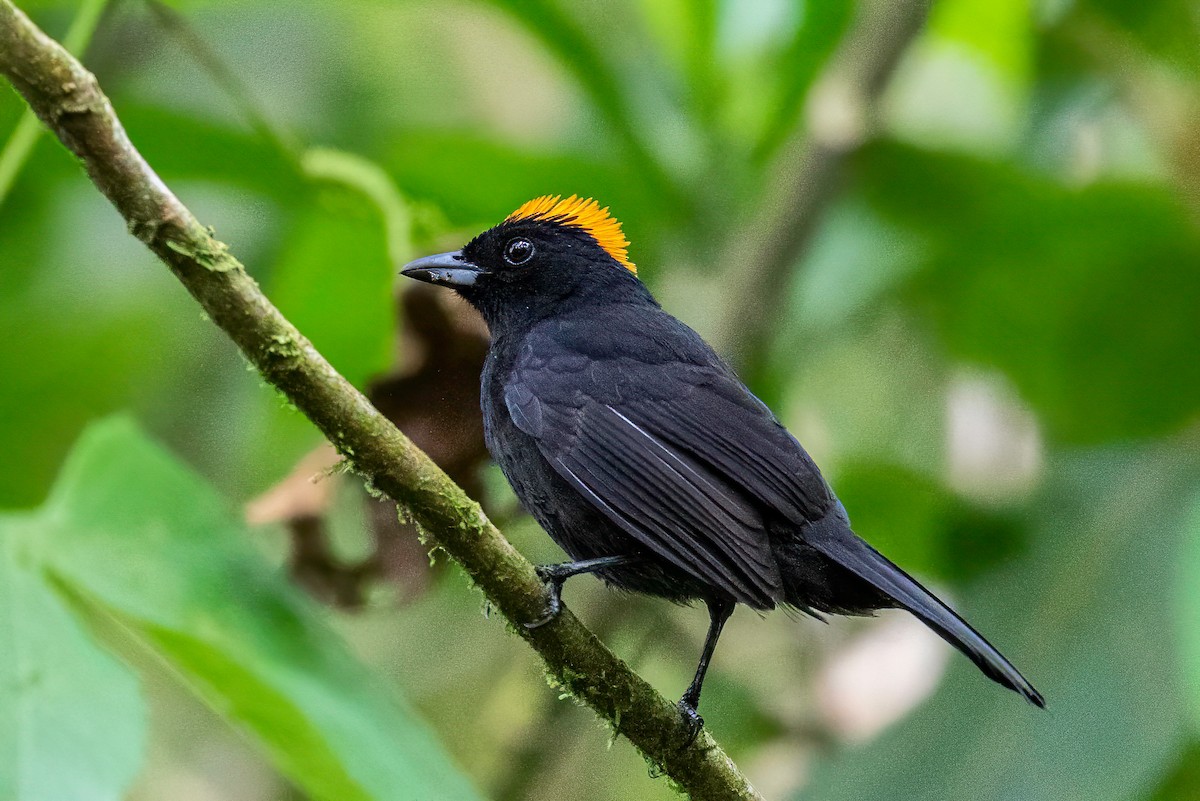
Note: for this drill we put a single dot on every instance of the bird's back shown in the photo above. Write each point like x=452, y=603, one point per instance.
x=670, y=436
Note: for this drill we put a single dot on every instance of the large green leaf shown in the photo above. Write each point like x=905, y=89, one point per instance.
x=131, y=533
x=1085, y=297
x=73, y=719
x=1083, y=615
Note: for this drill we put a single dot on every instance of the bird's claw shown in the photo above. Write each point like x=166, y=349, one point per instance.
x=553, y=583
x=692, y=721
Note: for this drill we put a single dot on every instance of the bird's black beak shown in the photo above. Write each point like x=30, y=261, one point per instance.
x=451, y=269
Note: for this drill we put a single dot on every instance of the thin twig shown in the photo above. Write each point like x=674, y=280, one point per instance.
x=67, y=98
x=841, y=108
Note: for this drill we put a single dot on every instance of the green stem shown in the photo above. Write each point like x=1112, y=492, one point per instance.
x=372, y=182
x=21, y=142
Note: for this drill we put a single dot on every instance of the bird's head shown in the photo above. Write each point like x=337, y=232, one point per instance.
x=547, y=253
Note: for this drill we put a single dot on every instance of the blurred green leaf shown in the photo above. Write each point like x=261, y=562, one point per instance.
x=20, y=144
x=999, y=30
x=78, y=359
x=1188, y=596
x=474, y=178
x=1084, y=297
x=871, y=394
x=185, y=147
x=922, y=526
x=334, y=281
x=373, y=184
x=124, y=516
x=743, y=722
x=685, y=31
x=477, y=181
x=817, y=37
x=855, y=259
x=572, y=45
x=1182, y=782
x=967, y=84
x=1169, y=29
x=74, y=721
x=1082, y=615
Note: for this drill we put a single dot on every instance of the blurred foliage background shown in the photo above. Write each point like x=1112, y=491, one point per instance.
x=985, y=326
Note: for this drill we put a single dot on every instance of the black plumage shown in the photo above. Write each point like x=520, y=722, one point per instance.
x=643, y=455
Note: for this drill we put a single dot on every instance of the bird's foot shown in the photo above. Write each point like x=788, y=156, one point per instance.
x=552, y=577
x=692, y=721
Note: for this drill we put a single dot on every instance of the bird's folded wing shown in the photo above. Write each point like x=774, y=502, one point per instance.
x=725, y=428
x=666, y=498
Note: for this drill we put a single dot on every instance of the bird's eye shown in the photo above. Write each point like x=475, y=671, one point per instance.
x=518, y=251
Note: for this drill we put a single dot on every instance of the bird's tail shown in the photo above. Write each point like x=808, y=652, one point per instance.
x=833, y=538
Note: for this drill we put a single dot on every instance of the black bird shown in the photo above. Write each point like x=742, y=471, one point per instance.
x=644, y=456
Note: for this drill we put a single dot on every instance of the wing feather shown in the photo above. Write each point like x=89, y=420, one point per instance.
x=745, y=442
x=677, y=510
x=679, y=455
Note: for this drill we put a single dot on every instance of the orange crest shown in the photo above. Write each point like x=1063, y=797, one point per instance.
x=584, y=214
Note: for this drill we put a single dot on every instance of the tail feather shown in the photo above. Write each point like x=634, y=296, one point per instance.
x=833, y=538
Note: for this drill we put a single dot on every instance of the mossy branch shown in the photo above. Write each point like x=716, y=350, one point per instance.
x=68, y=100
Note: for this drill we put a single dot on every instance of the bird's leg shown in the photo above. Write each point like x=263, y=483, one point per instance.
x=556, y=575
x=719, y=611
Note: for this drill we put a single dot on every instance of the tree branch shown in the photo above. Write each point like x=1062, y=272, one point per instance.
x=67, y=98
x=804, y=176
